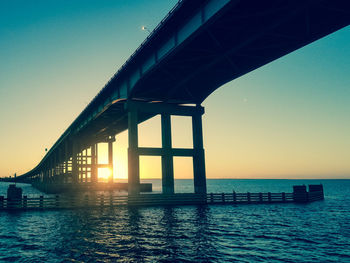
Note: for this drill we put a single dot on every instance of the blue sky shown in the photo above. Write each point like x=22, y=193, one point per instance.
x=288, y=119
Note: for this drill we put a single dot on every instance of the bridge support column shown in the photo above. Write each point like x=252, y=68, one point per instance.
x=166, y=152
x=133, y=155
x=51, y=170
x=85, y=164
x=66, y=160
x=54, y=167
x=46, y=172
x=75, y=167
x=167, y=158
x=94, y=170
x=82, y=166
x=111, y=139
x=199, y=178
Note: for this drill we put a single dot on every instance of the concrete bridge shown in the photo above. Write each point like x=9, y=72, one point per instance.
x=199, y=46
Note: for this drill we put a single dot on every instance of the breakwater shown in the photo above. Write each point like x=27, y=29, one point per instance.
x=299, y=195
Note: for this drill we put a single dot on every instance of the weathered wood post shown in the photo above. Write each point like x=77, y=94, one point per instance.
x=102, y=200
x=14, y=196
x=316, y=192
x=223, y=197
x=260, y=197
x=283, y=197
x=25, y=201
x=111, y=200
x=300, y=195
x=57, y=201
x=269, y=197
x=248, y=197
x=2, y=201
x=86, y=200
x=41, y=201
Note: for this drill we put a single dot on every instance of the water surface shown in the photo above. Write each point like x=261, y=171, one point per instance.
x=316, y=232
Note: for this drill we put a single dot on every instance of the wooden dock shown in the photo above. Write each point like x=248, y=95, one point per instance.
x=94, y=201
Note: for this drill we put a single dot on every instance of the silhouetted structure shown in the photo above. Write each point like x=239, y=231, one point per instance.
x=14, y=197
x=85, y=201
x=301, y=195
x=14, y=192
x=197, y=47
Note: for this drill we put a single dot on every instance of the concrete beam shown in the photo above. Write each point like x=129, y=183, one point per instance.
x=150, y=151
x=163, y=108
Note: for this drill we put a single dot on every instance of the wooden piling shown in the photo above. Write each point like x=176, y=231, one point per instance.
x=25, y=201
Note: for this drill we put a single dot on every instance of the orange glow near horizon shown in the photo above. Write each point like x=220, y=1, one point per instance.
x=104, y=174
x=288, y=119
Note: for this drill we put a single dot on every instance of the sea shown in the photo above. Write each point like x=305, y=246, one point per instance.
x=314, y=232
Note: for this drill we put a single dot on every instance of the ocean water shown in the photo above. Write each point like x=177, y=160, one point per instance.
x=315, y=232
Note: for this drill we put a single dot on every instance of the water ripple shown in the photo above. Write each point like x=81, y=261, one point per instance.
x=318, y=232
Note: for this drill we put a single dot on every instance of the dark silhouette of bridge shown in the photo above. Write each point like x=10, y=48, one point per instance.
x=196, y=48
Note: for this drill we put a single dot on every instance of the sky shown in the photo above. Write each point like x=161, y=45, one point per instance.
x=288, y=119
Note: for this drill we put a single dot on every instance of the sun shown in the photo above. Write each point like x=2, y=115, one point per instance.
x=104, y=174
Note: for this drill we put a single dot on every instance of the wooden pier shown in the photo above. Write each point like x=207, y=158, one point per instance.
x=94, y=201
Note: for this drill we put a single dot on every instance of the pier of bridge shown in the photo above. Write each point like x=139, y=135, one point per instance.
x=134, y=109
x=75, y=166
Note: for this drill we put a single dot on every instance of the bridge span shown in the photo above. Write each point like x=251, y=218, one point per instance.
x=199, y=46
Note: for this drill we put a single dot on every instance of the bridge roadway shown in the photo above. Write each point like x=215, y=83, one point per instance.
x=196, y=48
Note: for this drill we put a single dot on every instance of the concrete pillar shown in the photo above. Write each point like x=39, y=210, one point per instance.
x=199, y=178
x=133, y=157
x=75, y=167
x=79, y=158
x=167, y=158
x=51, y=169
x=110, y=160
x=85, y=166
x=66, y=160
x=82, y=166
x=54, y=165
x=94, y=163
x=45, y=174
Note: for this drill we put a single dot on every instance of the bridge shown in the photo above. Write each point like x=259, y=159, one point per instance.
x=199, y=46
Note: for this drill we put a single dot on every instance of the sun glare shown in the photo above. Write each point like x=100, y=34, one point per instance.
x=104, y=174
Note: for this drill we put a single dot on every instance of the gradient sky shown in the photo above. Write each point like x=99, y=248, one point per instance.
x=288, y=119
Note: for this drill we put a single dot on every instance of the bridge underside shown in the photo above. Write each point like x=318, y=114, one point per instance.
x=243, y=36
x=76, y=163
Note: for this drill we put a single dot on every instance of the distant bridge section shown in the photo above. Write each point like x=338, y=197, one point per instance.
x=196, y=48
